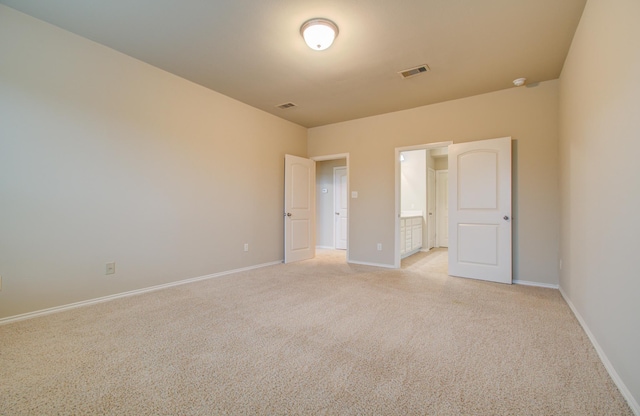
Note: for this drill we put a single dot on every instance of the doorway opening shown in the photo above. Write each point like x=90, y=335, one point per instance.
x=421, y=199
x=332, y=204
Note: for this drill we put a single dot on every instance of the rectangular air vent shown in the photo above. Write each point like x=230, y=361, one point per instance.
x=286, y=105
x=412, y=72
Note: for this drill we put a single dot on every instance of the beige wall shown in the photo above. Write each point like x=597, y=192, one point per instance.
x=325, y=212
x=528, y=115
x=441, y=163
x=600, y=145
x=105, y=158
x=413, y=181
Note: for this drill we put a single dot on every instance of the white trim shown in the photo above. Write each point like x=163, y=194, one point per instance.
x=410, y=253
x=364, y=263
x=74, y=305
x=633, y=404
x=330, y=157
x=536, y=284
x=326, y=247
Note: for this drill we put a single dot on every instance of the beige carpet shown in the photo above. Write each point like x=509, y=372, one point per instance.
x=316, y=337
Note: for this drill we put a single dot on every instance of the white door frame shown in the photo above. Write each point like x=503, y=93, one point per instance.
x=398, y=150
x=346, y=157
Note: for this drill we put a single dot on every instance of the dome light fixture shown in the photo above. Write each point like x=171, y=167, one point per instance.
x=319, y=33
x=519, y=82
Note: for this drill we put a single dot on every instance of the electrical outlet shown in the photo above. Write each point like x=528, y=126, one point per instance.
x=246, y=246
x=110, y=268
x=379, y=246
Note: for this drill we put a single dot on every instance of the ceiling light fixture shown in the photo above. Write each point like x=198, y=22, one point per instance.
x=519, y=82
x=319, y=33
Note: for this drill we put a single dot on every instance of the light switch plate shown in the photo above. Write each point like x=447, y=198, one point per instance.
x=354, y=194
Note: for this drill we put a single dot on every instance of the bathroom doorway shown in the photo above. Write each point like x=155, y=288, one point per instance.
x=421, y=197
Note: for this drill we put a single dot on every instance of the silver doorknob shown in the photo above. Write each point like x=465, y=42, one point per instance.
x=337, y=213
x=506, y=218
x=288, y=214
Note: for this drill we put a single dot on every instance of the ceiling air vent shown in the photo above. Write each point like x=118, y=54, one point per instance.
x=286, y=105
x=412, y=72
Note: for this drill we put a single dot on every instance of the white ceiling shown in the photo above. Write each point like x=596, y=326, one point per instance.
x=252, y=50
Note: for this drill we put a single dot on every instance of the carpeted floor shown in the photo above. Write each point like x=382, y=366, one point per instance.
x=315, y=337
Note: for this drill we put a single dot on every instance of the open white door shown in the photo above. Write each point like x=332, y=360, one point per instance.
x=299, y=209
x=340, y=205
x=480, y=210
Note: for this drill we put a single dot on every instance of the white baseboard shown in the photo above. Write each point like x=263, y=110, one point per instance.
x=364, y=263
x=537, y=284
x=325, y=247
x=61, y=308
x=410, y=253
x=633, y=403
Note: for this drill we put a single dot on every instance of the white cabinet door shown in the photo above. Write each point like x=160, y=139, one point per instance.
x=480, y=210
x=299, y=207
x=416, y=233
x=403, y=237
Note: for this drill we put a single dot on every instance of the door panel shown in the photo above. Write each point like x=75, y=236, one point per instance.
x=300, y=189
x=471, y=253
x=340, y=205
x=431, y=208
x=478, y=180
x=299, y=206
x=480, y=210
x=299, y=234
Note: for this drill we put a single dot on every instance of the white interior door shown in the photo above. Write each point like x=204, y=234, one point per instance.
x=340, y=206
x=431, y=208
x=480, y=210
x=442, y=208
x=299, y=209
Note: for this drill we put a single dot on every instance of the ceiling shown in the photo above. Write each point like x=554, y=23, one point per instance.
x=252, y=50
